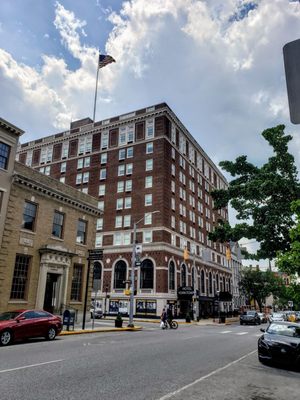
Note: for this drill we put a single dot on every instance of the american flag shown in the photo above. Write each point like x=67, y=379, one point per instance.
x=105, y=60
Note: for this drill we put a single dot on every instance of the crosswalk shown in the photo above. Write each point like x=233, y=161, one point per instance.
x=240, y=333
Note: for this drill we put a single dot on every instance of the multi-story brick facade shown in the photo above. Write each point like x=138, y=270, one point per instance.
x=144, y=166
x=48, y=230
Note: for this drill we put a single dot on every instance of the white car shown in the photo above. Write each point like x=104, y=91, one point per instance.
x=277, y=317
x=98, y=313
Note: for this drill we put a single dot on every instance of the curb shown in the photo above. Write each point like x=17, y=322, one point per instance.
x=80, y=332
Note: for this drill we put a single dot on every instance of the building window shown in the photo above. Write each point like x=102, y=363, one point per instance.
x=86, y=177
x=147, y=275
x=98, y=240
x=149, y=164
x=80, y=163
x=149, y=128
x=63, y=167
x=81, y=231
x=101, y=190
x=121, y=170
x=58, y=223
x=122, y=154
x=104, y=140
x=147, y=237
x=119, y=204
x=103, y=158
x=173, y=169
x=148, y=181
x=118, y=223
x=171, y=276
x=148, y=199
x=120, y=187
x=127, y=202
x=99, y=225
x=127, y=221
x=20, y=278
x=65, y=150
x=87, y=162
x=101, y=205
x=129, y=168
x=130, y=152
x=29, y=216
x=128, y=185
x=102, y=173
x=148, y=219
x=76, y=283
x=183, y=275
x=62, y=179
x=47, y=170
x=173, y=224
x=78, y=179
x=120, y=275
x=149, y=148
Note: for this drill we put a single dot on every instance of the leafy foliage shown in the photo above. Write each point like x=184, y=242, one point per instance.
x=290, y=260
x=289, y=293
x=257, y=285
x=262, y=197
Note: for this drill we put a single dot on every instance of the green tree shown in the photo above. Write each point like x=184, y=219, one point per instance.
x=262, y=197
x=289, y=293
x=289, y=261
x=257, y=285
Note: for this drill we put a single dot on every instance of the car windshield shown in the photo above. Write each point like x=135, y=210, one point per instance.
x=277, y=315
x=284, y=330
x=249, y=313
x=6, y=316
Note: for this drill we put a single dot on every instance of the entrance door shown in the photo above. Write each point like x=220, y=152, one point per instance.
x=51, y=292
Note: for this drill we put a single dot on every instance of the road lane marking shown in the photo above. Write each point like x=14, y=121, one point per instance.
x=172, y=394
x=241, y=333
x=226, y=332
x=30, y=366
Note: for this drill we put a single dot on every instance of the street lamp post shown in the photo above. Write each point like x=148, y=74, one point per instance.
x=105, y=309
x=133, y=259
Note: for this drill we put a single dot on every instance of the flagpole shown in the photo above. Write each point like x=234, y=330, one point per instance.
x=95, y=100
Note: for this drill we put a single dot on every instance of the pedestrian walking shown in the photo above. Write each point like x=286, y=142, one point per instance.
x=163, y=318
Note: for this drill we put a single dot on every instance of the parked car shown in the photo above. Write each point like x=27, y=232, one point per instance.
x=98, y=313
x=277, y=317
x=280, y=343
x=250, y=317
x=24, y=324
x=263, y=317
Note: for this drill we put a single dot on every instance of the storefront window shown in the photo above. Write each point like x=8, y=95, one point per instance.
x=147, y=274
x=183, y=275
x=172, y=276
x=145, y=307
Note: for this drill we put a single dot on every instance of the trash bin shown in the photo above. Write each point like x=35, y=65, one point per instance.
x=222, y=319
x=69, y=319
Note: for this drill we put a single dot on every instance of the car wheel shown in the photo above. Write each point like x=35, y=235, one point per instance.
x=6, y=338
x=51, y=334
x=241, y=323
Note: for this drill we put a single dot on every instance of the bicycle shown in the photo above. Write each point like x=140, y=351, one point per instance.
x=171, y=324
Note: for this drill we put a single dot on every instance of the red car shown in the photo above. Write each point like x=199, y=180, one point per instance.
x=23, y=324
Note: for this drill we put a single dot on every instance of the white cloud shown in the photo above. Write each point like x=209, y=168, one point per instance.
x=222, y=76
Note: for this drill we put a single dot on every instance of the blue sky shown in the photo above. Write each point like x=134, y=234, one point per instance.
x=218, y=64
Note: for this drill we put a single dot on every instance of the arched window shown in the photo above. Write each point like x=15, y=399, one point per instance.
x=183, y=275
x=120, y=275
x=217, y=281
x=202, y=282
x=97, y=272
x=210, y=282
x=229, y=285
x=224, y=286
x=147, y=275
x=171, y=276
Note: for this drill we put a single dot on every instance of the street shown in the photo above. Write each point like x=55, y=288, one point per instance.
x=193, y=362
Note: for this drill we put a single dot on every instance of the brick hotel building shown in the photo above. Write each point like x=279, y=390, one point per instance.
x=135, y=164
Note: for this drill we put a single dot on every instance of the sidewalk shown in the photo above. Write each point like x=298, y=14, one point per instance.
x=78, y=327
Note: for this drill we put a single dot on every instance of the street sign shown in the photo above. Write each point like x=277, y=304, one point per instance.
x=95, y=254
x=138, y=249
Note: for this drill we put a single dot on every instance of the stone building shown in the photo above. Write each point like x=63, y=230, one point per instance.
x=49, y=228
x=144, y=168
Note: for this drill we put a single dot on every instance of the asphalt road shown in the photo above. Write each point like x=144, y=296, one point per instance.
x=193, y=362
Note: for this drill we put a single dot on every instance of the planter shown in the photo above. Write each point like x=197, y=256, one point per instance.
x=188, y=319
x=118, y=323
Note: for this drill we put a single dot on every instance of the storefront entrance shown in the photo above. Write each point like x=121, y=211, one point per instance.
x=51, y=292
